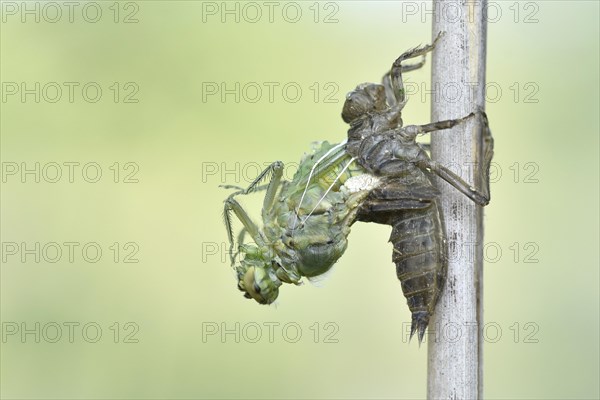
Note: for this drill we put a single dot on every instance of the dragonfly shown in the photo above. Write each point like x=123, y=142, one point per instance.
x=380, y=174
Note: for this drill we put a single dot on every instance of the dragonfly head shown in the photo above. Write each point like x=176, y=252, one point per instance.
x=257, y=278
x=366, y=98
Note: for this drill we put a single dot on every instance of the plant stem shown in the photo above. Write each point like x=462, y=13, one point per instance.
x=458, y=82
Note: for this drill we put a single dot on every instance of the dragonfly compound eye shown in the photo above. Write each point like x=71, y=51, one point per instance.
x=260, y=286
x=256, y=288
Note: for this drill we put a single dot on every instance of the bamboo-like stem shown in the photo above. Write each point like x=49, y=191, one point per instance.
x=458, y=79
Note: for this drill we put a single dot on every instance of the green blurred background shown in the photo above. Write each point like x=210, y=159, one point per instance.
x=162, y=318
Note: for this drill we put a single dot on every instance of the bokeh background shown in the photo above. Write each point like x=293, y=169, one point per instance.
x=157, y=313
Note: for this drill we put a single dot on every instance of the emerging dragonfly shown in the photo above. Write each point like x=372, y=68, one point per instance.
x=379, y=174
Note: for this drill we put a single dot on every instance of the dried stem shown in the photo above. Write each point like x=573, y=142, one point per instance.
x=458, y=79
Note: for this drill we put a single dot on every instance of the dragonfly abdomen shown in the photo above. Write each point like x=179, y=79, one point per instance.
x=419, y=255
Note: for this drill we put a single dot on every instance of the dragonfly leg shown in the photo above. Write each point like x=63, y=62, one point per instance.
x=393, y=79
x=479, y=196
x=411, y=131
x=232, y=205
x=276, y=171
x=242, y=235
x=254, y=186
x=395, y=92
